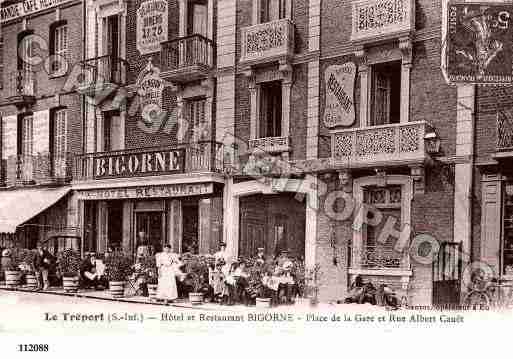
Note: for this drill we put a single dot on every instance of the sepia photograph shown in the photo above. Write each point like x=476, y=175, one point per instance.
x=333, y=170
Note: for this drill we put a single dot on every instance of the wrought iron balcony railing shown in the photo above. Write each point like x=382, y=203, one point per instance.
x=42, y=168
x=380, y=145
x=270, y=144
x=377, y=257
x=376, y=19
x=103, y=72
x=22, y=88
x=150, y=161
x=268, y=41
x=187, y=58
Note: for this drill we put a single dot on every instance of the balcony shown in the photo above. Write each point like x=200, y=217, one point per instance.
x=268, y=42
x=376, y=20
x=22, y=89
x=270, y=144
x=151, y=161
x=43, y=168
x=387, y=145
x=187, y=59
x=102, y=76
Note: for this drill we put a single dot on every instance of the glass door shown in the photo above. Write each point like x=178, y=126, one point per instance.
x=152, y=225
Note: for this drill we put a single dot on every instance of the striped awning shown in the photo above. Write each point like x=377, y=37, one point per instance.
x=20, y=205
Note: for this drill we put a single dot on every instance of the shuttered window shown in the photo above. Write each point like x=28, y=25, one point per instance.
x=196, y=112
x=271, y=10
x=60, y=46
x=59, y=146
x=27, y=136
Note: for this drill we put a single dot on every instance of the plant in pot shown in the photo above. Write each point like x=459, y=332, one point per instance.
x=147, y=267
x=196, y=269
x=11, y=266
x=118, y=266
x=68, y=264
x=27, y=266
x=256, y=288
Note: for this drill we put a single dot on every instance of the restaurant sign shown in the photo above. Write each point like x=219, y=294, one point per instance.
x=27, y=7
x=152, y=26
x=152, y=163
x=339, y=109
x=479, y=43
x=160, y=191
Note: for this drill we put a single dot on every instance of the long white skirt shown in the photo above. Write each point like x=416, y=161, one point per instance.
x=166, y=288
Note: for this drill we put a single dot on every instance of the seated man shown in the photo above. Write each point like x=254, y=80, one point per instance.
x=92, y=273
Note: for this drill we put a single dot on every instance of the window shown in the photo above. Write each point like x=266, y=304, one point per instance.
x=195, y=111
x=59, y=146
x=270, y=109
x=272, y=10
x=25, y=77
x=375, y=254
x=386, y=93
x=112, y=36
x=112, y=138
x=1, y=62
x=26, y=136
x=58, y=45
x=507, y=242
x=197, y=16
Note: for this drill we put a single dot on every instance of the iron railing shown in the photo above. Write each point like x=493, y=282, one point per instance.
x=40, y=168
x=106, y=69
x=504, y=133
x=189, y=51
x=22, y=83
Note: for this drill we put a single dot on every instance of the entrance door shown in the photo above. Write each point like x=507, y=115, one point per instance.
x=447, y=275
x=115, y=223
x=152, y=224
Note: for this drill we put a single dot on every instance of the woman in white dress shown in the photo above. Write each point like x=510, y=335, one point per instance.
x=166, y=264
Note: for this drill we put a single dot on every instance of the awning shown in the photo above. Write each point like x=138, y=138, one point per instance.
x=19, y=205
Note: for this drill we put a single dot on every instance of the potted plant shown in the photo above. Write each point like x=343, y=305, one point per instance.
x=148, y=268
x=118, y=266
x=27, y=260
x=257, y=289
x=300, y=276
x=68, y=263
x=11, y=267
x=196, y=269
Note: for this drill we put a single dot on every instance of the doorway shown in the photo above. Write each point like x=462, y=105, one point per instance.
x=152, y=224
x=115, y=223
x=190, y=235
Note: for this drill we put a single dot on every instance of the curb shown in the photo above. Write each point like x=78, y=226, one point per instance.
x=121, y=300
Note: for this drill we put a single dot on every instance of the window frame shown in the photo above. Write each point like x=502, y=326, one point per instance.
x=263, y=109
x=59, y=46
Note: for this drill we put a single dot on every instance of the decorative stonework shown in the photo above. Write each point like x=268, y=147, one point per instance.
x=267, y=40
x=361, y=147
x=378, y=18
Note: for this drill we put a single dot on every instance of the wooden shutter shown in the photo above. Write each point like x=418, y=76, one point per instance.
x=382, y=89
x=59, y=143
x=491, y=221
x=41, y=131
x=199, y=19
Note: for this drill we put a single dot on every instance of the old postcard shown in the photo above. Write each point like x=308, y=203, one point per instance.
x=334, y=170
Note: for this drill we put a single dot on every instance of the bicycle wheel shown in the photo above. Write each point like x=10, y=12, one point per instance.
x=477, y=299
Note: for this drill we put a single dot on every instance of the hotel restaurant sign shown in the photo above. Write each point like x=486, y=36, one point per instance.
x=151, y=163
x=27, y=7
x=159, y=191
x=479, y=43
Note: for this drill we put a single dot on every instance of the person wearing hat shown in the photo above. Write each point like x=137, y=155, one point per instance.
x=90, y=273
x=287, y=282
x=5, y=261
x=42, y=264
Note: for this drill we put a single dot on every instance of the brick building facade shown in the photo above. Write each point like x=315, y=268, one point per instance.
x=324, y=128
x=41, y=124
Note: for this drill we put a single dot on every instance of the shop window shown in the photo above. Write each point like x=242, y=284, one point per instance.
x=197, y=18
x=59, y=145
x=270, y=109
x=386, y=93
x=507, y=245
x=272, y=10
x=58, y=46
x=375, y=254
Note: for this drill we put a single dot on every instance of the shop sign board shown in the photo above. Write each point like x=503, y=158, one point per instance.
x=27, y=7
x=339, y=108
x=479, y=43
x=152, y=26
x=150, y=163
x=142, y=192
